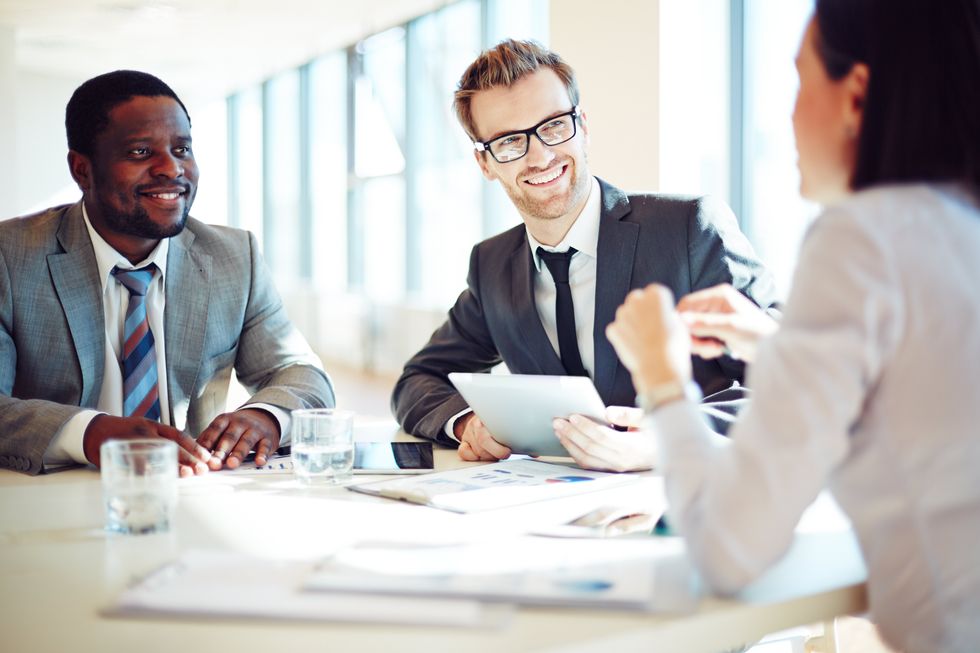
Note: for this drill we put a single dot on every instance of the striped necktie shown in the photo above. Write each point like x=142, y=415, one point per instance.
x=139, y=359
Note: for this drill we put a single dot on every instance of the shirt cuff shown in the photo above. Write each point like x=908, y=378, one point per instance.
x=282, y=416
x=450, y=425
x=67, y=445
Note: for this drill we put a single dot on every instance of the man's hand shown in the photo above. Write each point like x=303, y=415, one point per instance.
x=475, y=441
x=191, y=458
x=722, y=320
x=595, y=446
x=230, y=436
x=650, y=339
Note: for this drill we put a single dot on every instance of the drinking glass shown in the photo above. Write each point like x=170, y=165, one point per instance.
x=139, y=485
x=323, y=445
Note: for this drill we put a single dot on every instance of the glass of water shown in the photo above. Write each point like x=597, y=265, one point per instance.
x=323, y=445
x=139, y=485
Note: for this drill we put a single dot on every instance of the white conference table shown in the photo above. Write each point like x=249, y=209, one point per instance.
x=59, y=570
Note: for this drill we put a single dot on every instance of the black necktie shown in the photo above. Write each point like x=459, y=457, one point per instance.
x=557, y=263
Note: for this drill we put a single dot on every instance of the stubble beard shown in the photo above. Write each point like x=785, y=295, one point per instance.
x=555, y=207
x=138, y=223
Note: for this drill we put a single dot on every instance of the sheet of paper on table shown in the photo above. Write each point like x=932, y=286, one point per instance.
x=622, y=574
x=232, y=585
x=498, y=485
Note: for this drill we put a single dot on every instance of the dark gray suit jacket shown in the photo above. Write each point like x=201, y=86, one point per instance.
x=222, y=311
x=684, y=243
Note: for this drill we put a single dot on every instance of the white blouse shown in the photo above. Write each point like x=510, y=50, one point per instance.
x=871, y=387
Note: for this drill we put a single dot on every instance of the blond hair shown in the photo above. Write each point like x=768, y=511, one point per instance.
x=504, y=65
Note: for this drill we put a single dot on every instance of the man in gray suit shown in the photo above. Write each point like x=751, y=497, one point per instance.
x=540, y=295
x=121, y=316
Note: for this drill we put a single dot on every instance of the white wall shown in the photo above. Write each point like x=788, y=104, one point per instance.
x=34, y=169
x=614, y=48
x=8, y=118
x=41, y=146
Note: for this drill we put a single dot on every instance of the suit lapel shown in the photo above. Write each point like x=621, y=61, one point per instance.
x=526, y=313
x=614, y=272
x=185, y=320
x=75, y=275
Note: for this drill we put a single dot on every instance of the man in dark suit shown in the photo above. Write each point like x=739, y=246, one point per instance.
x=540, y=295
x=121, y=316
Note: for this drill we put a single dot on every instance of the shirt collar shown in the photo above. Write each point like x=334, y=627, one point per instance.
x=584, y=233
x=106, y=257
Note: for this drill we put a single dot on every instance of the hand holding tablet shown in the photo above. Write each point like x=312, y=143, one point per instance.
x=519, y=409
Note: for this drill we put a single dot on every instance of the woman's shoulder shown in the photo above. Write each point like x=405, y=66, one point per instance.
x=899, y=210
x=906, y=200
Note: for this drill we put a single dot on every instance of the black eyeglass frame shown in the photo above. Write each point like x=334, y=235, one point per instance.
x=575, y=113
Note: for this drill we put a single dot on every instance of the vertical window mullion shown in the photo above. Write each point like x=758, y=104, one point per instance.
x=305, y=241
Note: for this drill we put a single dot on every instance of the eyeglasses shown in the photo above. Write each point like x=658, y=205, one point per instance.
x=552, y=131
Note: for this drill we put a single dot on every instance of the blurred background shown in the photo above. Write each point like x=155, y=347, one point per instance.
x=325, y=128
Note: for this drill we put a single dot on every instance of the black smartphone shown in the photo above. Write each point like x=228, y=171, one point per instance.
x=392, y=457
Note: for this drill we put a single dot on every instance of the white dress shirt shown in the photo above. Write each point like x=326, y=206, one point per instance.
x=869, y=387
x=584, y=237
x=67, y=445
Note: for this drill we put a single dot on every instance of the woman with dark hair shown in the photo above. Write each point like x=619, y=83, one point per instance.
x=869, y=384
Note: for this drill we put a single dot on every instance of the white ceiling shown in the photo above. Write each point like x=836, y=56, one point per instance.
x=203, y=48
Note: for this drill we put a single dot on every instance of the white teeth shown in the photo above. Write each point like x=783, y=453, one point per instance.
x=544, y=179
x=165, y=196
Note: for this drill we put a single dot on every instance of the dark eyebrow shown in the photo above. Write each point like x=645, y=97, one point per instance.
x=518, y=131
x=141, y=138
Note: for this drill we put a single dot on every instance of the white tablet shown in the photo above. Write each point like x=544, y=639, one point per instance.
x=518, y=409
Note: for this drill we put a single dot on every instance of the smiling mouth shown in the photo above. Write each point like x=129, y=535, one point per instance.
x=165, y=195
x=547, y=177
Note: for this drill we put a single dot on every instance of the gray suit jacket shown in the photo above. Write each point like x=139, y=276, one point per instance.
x=222, y=311
x=684, y=243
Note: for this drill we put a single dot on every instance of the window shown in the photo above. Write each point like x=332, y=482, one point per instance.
x=352, y=169
x=445, y=196
x=245, y=206
x=328, y=170
x=210, y=132
x=285, y=247
x=775, y=216
x=378, y=244
x=728, y=85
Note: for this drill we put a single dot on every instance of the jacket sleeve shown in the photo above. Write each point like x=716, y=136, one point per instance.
x=26, y=425
x=423, y=399
x=274, y=361
x=718, y=252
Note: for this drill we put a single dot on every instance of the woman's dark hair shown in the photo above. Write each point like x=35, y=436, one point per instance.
x=921, y=117
x=87, y=113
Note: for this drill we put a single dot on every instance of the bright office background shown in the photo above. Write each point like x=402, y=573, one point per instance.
x=325, y=127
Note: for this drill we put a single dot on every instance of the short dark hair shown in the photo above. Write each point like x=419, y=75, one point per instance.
x=504, y=65
x=87, y=113
x=921, y=117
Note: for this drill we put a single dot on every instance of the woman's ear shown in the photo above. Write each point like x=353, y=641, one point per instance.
x=855, y=93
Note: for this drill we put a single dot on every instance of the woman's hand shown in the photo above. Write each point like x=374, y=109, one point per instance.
x=650, y=339
x=721, y=320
